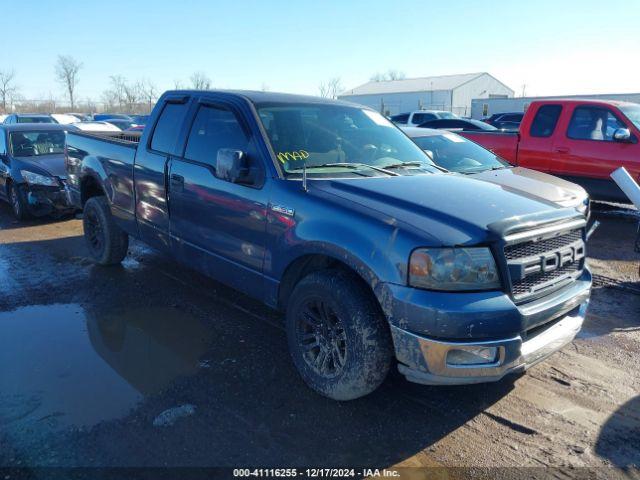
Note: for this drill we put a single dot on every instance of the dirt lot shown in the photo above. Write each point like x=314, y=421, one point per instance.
x=90, y=358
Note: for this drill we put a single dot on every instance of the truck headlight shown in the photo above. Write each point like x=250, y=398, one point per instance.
x=583, y=207
x=453, y=269
x=36, y=179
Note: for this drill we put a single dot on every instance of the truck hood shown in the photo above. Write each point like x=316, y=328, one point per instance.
x=536, y=184
x=47, y=164
x=450, y=209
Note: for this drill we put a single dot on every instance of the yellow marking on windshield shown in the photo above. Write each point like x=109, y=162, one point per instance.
x=295, y=155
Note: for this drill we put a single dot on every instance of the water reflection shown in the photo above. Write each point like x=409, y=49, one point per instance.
x=63, y=365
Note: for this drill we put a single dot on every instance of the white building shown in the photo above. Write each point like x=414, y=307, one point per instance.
x=446, y=92
x=485, y=107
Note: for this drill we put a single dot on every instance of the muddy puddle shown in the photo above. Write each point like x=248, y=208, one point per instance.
x=62, y=365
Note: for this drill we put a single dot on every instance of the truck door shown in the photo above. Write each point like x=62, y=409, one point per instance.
x=4, y=163
x=536, y=141
x=588, y=153
x=217, y=226
x=150, y=172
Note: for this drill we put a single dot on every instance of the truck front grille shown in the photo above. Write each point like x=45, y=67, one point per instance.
x=540, y=266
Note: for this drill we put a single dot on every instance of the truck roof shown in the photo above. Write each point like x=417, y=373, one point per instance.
x=257, y=96
x=590, y=101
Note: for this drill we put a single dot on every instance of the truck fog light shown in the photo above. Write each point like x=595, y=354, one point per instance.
x=473, y=356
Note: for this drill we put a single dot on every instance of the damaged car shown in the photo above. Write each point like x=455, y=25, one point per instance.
x=32, y=170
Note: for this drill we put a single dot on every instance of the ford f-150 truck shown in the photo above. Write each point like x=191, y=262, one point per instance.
x=583, y=141
x=327, y=211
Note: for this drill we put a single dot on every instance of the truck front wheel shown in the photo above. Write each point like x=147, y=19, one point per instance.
x=106, y=242
x=338, y=337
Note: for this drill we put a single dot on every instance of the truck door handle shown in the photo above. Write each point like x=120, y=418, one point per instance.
x=177, y=180
x=562, y=150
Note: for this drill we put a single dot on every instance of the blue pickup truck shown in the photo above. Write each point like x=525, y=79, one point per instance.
x=326, y=211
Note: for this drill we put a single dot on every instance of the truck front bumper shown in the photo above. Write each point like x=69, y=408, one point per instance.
x=434, y=361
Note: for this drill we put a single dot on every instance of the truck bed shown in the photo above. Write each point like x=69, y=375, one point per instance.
x=102, y=155
x=503, y=144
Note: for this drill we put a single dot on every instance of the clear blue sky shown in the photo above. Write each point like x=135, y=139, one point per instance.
x=554, y=47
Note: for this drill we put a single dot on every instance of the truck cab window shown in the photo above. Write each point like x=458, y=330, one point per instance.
x=545, y=121
x=593, y=123
x=167, y=128
x=423, y=117
x=400, y=119
x=213, y=129
x=3, y=143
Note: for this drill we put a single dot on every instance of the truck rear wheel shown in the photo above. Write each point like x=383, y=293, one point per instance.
x=106, y=242
x=338, y=338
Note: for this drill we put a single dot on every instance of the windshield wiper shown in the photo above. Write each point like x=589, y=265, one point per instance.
x=415, y=164
x=350, y=165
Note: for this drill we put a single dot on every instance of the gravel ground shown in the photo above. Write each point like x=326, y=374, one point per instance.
x=151, y=364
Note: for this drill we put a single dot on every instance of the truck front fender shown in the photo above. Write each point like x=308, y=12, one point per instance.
x=374, y=256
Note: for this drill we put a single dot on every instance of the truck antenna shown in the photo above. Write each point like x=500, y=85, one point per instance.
x=304, y=177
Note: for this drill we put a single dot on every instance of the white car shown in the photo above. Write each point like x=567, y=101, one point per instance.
x=2, y=117
x=413, y=119
x=96, y=127
x=64, y=118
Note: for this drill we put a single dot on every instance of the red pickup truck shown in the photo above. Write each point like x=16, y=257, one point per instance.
x=580, y=140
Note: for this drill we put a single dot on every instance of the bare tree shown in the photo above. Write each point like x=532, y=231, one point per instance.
x=390, y=74
x=109, y=99
x=331, y=88
x=200, y=81
x=149, y=92
x=8, y=89
x=132, y=95
x=67, y=70
x=118, y=87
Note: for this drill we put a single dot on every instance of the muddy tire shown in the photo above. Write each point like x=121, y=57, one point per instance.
x=106, y=242
x=338, y=337
x=18, y=202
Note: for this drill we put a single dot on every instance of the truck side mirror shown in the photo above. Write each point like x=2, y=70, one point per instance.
x=622, y=135
x=233, y=166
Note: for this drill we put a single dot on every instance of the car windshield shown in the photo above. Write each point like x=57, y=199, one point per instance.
x=33, y=144
x=632, y=112
x=458, y=154
x=23, y=119
x=336, y=140
x=447, y=115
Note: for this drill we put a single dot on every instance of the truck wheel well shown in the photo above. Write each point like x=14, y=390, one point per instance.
x=303, y=266
x=90, y=188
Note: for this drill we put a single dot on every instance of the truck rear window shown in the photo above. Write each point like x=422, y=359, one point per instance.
x=165, y=135
x=545, y=121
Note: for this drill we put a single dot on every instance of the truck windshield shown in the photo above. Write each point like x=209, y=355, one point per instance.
x=458, y=154
x=632, y=112
x=331, y=139
x=32, y=144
